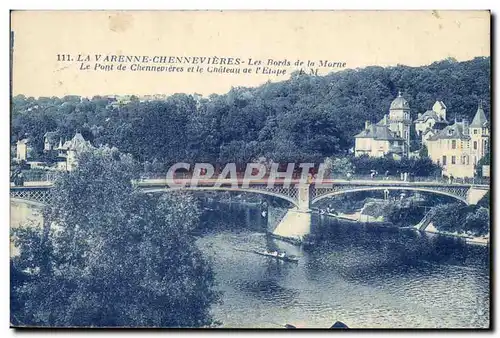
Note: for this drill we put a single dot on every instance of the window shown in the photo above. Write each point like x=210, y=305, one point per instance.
x=475, y=131
x=444, y=160
x=453, y=160
x=453, y=144
x=475, y=145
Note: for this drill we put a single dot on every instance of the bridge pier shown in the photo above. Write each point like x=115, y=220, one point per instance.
x=296, y=222
x=474, y=195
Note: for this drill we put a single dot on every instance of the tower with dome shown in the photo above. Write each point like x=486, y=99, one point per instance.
x=399, y=120
x=391, y=135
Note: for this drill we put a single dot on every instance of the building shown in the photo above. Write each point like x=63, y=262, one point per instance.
x=428, y=123
x=480, y=134
x=458, y=147
x=377, y=141
x=69, y=150
x=391, y=135
x=399, y=120
x=22, y=150
x=49, y=141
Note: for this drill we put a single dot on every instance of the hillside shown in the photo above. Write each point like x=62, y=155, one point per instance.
x=304, y=118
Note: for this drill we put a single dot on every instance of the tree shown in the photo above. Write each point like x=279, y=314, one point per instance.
x=110, y=255
x=338, y=167
x=424, y=152
x=478, y=222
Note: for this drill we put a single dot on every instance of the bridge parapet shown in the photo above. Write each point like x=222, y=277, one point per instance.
x=458, y=191
x=302, y=195
x=39, y=194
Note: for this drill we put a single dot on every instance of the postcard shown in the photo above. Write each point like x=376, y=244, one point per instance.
x=250, y=169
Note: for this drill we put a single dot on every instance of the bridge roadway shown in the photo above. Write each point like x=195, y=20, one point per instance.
x=300, y=194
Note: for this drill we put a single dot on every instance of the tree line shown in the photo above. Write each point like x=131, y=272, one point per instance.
x=303, y=119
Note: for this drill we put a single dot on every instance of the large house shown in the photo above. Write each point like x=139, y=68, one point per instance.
x=66, y=152
x=391, y=135
x=378, y=140
x=428, y=123
x=69, y=151
x=456, y=147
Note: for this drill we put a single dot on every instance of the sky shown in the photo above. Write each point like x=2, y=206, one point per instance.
x=356, y=38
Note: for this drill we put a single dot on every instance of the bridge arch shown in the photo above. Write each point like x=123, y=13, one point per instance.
x=28, y=201
x=361, y=189
x=239, y=190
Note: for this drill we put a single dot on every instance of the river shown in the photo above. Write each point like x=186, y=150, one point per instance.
x=364, y=276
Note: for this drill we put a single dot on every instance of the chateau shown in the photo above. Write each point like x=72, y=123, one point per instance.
x=65, y=152
x=391, y=135
x=456, y=147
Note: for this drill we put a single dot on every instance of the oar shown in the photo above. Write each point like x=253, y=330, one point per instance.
x=242, y=250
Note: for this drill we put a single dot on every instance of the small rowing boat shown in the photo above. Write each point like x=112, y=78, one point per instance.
x=277, y=255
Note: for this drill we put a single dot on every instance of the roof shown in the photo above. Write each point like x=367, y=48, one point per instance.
x=51, y=136
x=430, y=114
x=441, y=103
x=429, y=130
x=78, y=143
x=455, y=131
x=399, y=103
x=24, y=140
x=378, y=132
x=480, y=119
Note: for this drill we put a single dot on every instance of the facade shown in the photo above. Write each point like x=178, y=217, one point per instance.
x=429, y=122
x=69, y=151
x=22, y=150
x=49, y=141
x=458, y=147
x=377, y=141
x=391, y=135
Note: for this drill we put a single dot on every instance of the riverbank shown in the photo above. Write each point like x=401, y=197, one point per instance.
x=469, y=239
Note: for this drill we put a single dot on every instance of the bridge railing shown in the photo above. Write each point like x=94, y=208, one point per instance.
x=378, y=177
x=37, y=176
x=430, y=179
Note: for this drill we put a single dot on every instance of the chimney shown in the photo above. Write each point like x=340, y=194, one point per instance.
x=385, y=119
x=419, y=115
x=367, y=124
x=465, y=124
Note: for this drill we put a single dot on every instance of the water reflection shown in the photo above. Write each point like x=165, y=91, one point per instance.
x=367, y=277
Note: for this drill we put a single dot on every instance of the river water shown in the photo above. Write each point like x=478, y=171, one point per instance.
x=364, y=276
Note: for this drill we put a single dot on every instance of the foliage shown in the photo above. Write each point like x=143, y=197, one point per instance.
x=109, y=255
x=338, y=167
x=423, y=152
x=450, y=217
x=403, y=214
x=485, y=201
x=303, y=119
x=418, y=167
x=485, y=160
